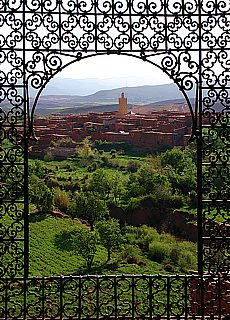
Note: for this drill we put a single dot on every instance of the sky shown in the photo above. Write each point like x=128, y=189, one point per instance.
x=114, y=66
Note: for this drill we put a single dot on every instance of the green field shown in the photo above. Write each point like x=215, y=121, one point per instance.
x=52, y=251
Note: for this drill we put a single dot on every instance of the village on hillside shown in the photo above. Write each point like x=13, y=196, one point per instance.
x=143, y=131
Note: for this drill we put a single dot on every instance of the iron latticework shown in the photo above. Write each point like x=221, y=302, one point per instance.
x=189, y=41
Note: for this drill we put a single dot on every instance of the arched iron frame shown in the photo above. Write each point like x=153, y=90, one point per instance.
x=189, y=41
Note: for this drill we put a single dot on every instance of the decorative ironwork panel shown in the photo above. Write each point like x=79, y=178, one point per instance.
x=12, y=120
x=114, y=297
x=215, y=130
x=188, y=40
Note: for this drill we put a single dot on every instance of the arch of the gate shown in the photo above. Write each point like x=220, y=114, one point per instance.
x=187, y=39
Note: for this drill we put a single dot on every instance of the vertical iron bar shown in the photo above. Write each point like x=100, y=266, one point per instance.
x=43, y=298
x=115, y=297
x=165, y=19
x=26, y=207
x=6, y=298
x=26, y=178
x=199, y=157
x=183, y=7
x=61, y=297
x=25, y=145
x=150, y=297
x=168, y=298
x=97, y=297
x=95, y=24
x=130, y=24
x=219, y=296
x=79, y=302
x=186, y=296
x=133, y=298
x=59, y=21
x=199, y=170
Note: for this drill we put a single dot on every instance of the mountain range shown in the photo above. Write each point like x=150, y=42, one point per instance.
x=107, y=100
x=82, y=87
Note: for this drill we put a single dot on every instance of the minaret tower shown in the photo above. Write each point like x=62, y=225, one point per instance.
x=123, y=106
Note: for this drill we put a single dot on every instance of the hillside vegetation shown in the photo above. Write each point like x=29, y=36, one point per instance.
x=83, y=236
x=54, y=251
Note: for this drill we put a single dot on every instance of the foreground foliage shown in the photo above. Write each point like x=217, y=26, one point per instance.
x=65, y=246
x=85, y=186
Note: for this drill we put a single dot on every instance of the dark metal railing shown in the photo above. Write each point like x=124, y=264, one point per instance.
x=115, y=297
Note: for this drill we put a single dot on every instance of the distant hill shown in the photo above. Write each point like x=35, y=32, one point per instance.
x=107, y=100
x=82, y=87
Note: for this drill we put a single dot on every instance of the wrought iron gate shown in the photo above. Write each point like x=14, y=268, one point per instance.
x=189, y=41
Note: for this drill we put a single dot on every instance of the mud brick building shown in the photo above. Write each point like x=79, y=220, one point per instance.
x=146, y=131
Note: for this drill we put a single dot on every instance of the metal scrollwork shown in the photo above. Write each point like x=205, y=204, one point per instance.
x=186, y=39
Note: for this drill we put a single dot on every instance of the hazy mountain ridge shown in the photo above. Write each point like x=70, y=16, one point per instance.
x=82, y=87
x=107, y=100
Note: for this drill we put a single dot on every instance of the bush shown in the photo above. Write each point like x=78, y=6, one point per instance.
x=159, y=251
x=177, y=201
x=40, y=195
x=141, y=236
x=133, y=166
x=175, y=254
x=48, y=156
x=188, y=256
x=133, y=203
x=131, y=251
x=131, y=260
x=61, y=199
x=147, y=235
x=168, y=267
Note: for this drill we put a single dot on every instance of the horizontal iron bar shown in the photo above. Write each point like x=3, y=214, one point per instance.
x=206, y=164
x=120, y=276
x=115, y=51
x=218, y=201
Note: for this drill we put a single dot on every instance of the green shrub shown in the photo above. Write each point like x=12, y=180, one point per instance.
x=141, y=236
x=133, y=203
x=61, y=199
x=48, y=156
x=147, y=236
x=131, y=251
x=188, y=256
x=168, y=238
x=159, y=251
x=133, y=166
x=175, y=254
x=177, y=201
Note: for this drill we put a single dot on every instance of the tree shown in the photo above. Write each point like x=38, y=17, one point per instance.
x=99, y=183
x=86, y=152
x=149, y=178
x=86, y=245
x=134, y=188
x=40, y=195
x=117, y=188
x=181, y=169
x=110, y=235
x=173, y=158
x=37, y=168
x=177, y=159
x=90, y=207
